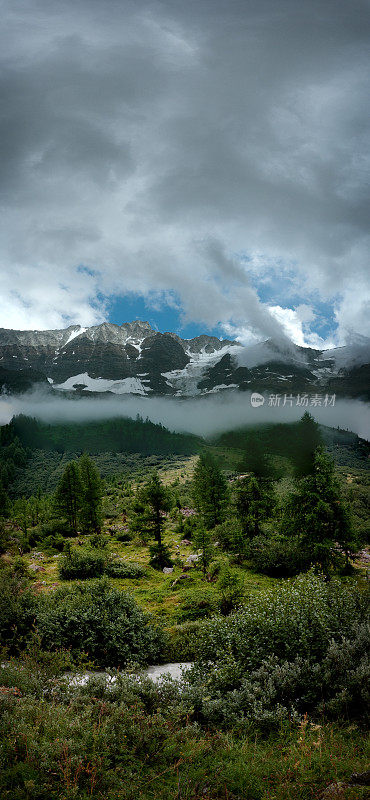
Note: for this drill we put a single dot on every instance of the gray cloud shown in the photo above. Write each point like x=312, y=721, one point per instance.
x=153, y=143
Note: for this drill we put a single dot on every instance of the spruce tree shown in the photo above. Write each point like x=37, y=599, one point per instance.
x=317, y=514
x=256, y=459
x=202, y=541
x=4, y=501
x=68, y=495
x=152, y=502
x=253, y=502
x=308, y=439
x=91, y=496
x=210, y=491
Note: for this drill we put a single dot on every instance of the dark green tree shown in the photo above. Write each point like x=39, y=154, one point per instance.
x=256, y=459
x=308, y=439
x=231, y=537
x=202, y=541
x=319, y=516
x=68, y=495
x=151, y=504
x=21, y=513
x=231, y=586
x=4, y=501
x=91, y=497
x=210, y=491
x=253, y=502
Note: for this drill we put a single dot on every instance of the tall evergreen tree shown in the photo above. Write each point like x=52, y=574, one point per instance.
x=68, y=495
x=253, y=502
x=4, y=501
x=21, y=513
x=255, y=458
x=307, y=441
x=151, y=504
x=91, y=496
x=202, y=541
x=210, y=491
x=317, y=514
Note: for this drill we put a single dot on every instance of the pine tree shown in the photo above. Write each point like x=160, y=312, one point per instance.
x=319, y=517
x=210, y=491
x=253, y=503
x=202, y=541
x=91, y=498
x=4, y=501
x=307, y=441
x=21, y=513
x=152, y=502
x=68, y=495
x=255, y=458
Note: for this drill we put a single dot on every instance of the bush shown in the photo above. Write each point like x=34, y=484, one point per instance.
x=17, y=606
x=279, y=557
x=297, y=618
x=53, y=527
x=160, y=556
x=98, y=541
x=300, y=648
x=231, y=587
x=336, y=687
x=100, y=620
x=119, y=569
x=182, y=642
x=229, y=535
x=199, y=604
x=53, y=544
x=82, y=564
x=123, y=536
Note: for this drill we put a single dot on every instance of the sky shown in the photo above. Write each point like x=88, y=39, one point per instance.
x=202, y=165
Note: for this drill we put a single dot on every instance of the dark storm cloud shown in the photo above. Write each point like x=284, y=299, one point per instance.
x=153, y=142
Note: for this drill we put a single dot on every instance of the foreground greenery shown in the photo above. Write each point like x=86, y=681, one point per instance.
x=137, y=740
x=247, y=571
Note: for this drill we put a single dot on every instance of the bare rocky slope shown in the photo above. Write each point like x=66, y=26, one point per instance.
x=132, y=358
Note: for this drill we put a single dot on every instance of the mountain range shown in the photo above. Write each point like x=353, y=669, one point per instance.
x=133, y=358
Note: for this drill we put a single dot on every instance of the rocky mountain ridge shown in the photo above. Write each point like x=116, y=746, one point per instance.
x=133, y=358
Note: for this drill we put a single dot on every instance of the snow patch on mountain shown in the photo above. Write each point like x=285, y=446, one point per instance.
x=185, y=381
x=83, y=381
x=75, y=333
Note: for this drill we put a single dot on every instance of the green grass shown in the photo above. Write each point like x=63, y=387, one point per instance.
x=139, y=745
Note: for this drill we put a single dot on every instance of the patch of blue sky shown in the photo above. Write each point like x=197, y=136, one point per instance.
x=163, y=314
x=277, y=283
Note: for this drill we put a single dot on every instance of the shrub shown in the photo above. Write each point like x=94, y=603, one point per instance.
x=119, y=569
x=300, y=648
x=199, y=604
x=17, y=605
x=297, y=618
x=231, y=587
x=278, y=557
x=160, y=556
x=53, y=543
x=182, y=642
x=123, y=536
x=100, y=620
x=336, y=686
x=98, y=541
x=53, y=527
x=81, y=564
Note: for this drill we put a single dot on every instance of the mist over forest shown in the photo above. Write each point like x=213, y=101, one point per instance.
x=205, y=416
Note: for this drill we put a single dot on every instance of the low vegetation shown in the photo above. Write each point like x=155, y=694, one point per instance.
x=243, y=565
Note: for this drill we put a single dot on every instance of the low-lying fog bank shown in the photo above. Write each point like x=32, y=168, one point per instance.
x=203, y=416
